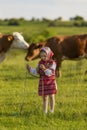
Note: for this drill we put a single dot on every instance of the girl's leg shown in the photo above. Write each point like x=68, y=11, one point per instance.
x=45, y=103
x=52, y=102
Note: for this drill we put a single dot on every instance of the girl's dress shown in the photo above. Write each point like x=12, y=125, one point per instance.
x=47, y=82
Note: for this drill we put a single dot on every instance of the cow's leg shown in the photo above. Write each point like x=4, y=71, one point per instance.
x=58, y=71
x=2, y=57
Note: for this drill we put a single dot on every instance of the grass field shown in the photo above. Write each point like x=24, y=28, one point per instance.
x=17, y=88
x=33, y=32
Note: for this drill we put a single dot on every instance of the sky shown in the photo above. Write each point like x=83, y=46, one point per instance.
x=50, y=9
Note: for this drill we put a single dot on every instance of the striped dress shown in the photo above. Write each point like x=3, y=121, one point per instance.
x=47, y=84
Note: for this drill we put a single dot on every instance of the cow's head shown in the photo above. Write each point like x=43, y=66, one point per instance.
x=33, y=51
x=19, y=41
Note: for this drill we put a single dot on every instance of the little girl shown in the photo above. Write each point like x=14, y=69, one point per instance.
x=47, y=82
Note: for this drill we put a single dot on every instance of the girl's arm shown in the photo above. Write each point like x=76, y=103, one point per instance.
x=31, y=70
x=49, y=71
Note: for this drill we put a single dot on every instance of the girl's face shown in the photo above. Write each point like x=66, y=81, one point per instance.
x=43, y=56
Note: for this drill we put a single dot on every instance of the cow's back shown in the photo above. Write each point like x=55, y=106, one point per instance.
x=74, y=46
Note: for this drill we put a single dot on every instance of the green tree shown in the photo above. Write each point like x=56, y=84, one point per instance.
x=13, y=21
x=77, y=18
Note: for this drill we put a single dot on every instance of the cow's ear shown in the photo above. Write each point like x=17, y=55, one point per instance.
x=10, y=38
x=38, y=46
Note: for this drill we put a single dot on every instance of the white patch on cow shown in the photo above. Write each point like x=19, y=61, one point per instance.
x=19, y=41
x=2, y=56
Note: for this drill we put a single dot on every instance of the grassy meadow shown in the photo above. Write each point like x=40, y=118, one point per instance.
x=19, y=89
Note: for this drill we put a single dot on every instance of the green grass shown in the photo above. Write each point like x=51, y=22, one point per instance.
x=33, y=32
x=16, y=87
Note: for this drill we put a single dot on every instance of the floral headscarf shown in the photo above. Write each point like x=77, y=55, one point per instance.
x=48, y=52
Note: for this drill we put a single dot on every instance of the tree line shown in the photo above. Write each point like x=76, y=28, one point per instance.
x=77, y=21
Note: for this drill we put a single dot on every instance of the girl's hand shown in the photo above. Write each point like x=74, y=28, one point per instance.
x=42, y=67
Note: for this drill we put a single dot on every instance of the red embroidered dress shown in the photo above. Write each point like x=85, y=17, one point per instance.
x=47, y=84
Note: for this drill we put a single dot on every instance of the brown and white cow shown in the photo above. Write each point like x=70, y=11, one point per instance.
x=64, y=47
x=10, y=41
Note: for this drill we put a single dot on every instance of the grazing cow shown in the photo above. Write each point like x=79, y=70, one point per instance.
x=11, y=41
x=67, y=47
